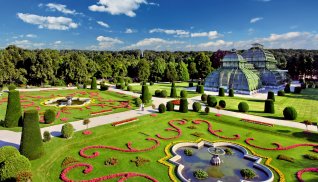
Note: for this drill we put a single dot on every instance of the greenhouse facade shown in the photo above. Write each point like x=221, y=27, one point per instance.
x=248, y=73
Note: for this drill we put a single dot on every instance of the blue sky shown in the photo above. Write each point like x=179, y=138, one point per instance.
x=159, y=24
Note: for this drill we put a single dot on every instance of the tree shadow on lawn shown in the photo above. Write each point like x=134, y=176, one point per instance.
x=283, y=131
x=56, y=134
x=301, y=96
x=310, y=136
x=255, y=100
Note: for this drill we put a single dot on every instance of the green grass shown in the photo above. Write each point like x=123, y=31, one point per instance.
x=48, y=168
x=74, y=114
x=167, y=87
x=305, y=105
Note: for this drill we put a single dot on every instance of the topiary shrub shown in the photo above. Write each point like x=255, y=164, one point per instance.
x=212, y=101
x=248, y=173
x=297, y=90
x=200, y=174
x=158, y=93
x=151, y=83
x=173, y=84
x=13, y=116
x=200, y=89
x=118, y=86
x=162, y=108
x=183, y=105
x=104, y=87
x=67, y=130
x=13, y=166
x=269, y=106
x=31, y=145
x=221, y=92
x=145, y=94
x=196, y=106
x=46, y=136
x=137, y=102
x=222, y=104
x=290, y=113
x=94, y=84
x=231, y=93
x=243, y=107
x=8, y=151
x=287, y=88
x=207, y=110
x=285, y=158
x=49, y=116
x=188, y=152
x=190, y=84
x=281, y=93
x=163, y=93
x=129, y=88
x=11, y=87
x=170, y=106
x=204, y=97
x=173, y=92
x=271, y=95
x=311, y=157
x=183, y=94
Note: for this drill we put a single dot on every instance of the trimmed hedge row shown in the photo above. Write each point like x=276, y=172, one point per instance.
x=271, y=95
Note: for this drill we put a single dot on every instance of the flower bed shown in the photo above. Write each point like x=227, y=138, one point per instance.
x=153, y=115
x=257, y=122
x=124, y=121
x=86, y=132
x=101, y=112
x=301, y=172
x=175, y=102
x=174, y=128
x=214, y=132
x=279, y=146
x=64, y=119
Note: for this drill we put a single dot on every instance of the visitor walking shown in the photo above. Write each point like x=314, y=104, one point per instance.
x=142, y=106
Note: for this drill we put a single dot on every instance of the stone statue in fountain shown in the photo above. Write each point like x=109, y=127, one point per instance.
x=69, y=101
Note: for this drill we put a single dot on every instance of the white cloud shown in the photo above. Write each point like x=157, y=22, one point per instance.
x=57, y=42
x=27, y=44
x=154, y=4
x=178, y=33
x=155, y=44
x=48, y=22
x=129, y=31
x=210, y=34
x=256, y=19
x=106, y=43
x=265, y=1
x=117, y=7
x=103, y=24
x=31, y=35
x=59, y=7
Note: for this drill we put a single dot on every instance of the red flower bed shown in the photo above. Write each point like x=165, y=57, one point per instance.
x=89, y=168
x=87, y=132
x=279, y=146
x=315, y=149
x=64, y=119
x=174, y=128
x=153, y=115
x=257, y=122
x=58, y=115
x=124, y=121
x=214, y=132
x=101, y=112
x=129, y=150
x=218, y=115
x=175, y=102
x=301, y=172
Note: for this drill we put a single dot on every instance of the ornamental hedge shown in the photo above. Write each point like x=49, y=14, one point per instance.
x=31, y=140
x=183, y=94
x=248, y=173
x=8, y=151
x=221, y=92
x=196, y=106
x=190, y=84
x=173, y=92
x=13, y=166
x=200, y=89
x=162, y=108
x=137, y=102
x=183, y=105
x=49, y=116
x=231, y=93
x=145, y=94
x=104, y=87
x=212, y=101
x=46, y=136
x=222, y=104
x=170, y=106
x=207, y=110
x=158, y=93
x=163, y=94
x=243, y=107
x=67, y=130
x=94, y=84
x=287, y=88
x=204, y=97
x=290, y=113
x=13, y=116
x=271, y=95
x=281, y=93
x=297, y=90
x=269, y=106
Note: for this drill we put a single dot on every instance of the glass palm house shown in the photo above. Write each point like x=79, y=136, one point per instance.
x=248, y=73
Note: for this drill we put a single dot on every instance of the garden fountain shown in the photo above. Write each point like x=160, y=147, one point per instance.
x=216, y=152
x=67, y=101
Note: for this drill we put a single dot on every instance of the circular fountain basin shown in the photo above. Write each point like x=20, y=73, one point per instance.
x=63, y=101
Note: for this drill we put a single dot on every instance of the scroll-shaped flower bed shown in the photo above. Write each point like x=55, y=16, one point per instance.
x=215, y=132
x=301, y=172
x=174, y=128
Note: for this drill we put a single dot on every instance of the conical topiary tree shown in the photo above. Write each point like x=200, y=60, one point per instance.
x=94, y=84
x=271, y=95
x=145, y=94
x=269, y=106
x=183, y=105
x=14, y=112
x=31, y=145
x=173, y=92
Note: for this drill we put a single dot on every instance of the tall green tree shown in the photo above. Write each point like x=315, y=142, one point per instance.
x=193, y=72
x=203, y=64
x=158, y=69
x=183, y=71
x=143, y=70
x=171, y=72
x=75, y=68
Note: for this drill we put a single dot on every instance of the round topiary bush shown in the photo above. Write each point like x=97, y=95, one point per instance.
x=162, y=108
x=196, y=106
x=183, y=105
x=67, y=130
x=173, y=92
x=49, y=116
x=137, y=102
x=183, y=94
x=204, y=97
x=158, y=93
x=104, y=87
x=200, y=89
x=94, y=84
x=13, y=116
x=222, y=104
x=170, y=106
x=8, y=151
x=212, y=101
x=271, y=95
x=46, y=136
x=281, y=93
x=12, y=87
x=287, y=88
x=269, y=106
x=243, y=107
x=200, y=174
x=163, y=93
x=221, y=92
x=297, y=90
x=290, y=113
x=231, y=93
x=207, y=110
x=190, y=84
x=12, y=166
x=248, y=173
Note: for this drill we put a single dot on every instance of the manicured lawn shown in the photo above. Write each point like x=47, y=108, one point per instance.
x=48, y=168
x=101, y=101
x=305, y=104
x=167, y=87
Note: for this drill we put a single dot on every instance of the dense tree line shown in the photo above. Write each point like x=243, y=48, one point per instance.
x=54, y=67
